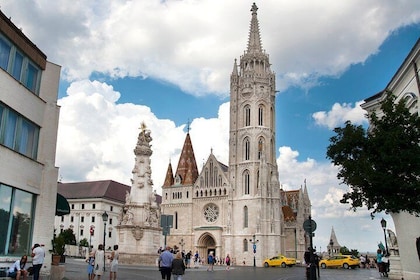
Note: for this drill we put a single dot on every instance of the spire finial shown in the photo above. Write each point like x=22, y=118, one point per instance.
x=188, y=126
x=254, y=8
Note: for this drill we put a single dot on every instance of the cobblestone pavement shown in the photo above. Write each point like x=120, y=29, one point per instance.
x=77, y=269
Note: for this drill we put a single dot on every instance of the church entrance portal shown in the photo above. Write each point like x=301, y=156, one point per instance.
x=206, y=244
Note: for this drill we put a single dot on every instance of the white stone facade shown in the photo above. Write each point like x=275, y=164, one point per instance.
x=27, y=165
x=227, y=209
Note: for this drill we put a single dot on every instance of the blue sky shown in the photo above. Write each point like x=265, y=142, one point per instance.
x=169, y=62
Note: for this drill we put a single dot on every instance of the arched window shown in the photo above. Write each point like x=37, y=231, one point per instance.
x=260, y=115
x=258, y=179
x=245, y=216
x=246, y=182
x=260, y=147
x=247, y=148
x=247, y=115
x=245, y=245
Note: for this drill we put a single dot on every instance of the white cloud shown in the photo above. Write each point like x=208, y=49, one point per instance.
x=339, y=114
x=190, y=43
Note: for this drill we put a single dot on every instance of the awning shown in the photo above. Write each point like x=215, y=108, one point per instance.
x=62, y=207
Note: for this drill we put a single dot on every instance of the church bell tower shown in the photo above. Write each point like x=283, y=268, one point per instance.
x=253, y=173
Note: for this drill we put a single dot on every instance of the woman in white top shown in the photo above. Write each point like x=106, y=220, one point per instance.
x=114, y=263
x=99, y=262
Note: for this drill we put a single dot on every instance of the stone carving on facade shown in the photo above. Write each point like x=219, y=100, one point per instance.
x=392, y=242
x=127, y=216
x=137, y=233
x=153, y=217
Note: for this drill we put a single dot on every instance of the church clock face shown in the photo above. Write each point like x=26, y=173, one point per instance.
x=211, y=212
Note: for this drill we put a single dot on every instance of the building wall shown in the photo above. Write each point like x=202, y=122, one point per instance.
x=81, y=226
x=33, y=176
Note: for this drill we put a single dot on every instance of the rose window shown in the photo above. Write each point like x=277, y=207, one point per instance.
x=211, y=212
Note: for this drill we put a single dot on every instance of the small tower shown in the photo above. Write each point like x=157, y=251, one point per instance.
x=333, y=246
x=139, y=229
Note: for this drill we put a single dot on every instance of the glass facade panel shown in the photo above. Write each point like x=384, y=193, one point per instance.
x=31, y=77
x=28, y=143
x=17, y=66
x=5, y=199
x=10, y=129
x=21, y=223
x=16, y=216
x=4, y=53
x=20, y=66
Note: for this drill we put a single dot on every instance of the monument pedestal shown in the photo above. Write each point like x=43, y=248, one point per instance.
x=395, y=269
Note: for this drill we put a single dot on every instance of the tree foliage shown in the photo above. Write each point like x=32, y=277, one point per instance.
x=68, y=236
x=381, y=166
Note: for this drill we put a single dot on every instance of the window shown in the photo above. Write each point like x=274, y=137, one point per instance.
x=260, y=115
x=247, y=148
x=5, y=49
x=93, y=219
x=72, y=206
x=245, y=245
x=111, y=208
x=62, y=218
x=93, y=206
x=245, y=217
x=19, y=66
x=81, y=232
x=110, y=234
x=247, y=115
x=18, y=133
x=260, y=147
x=82, y=219
x=246, y=182
x=110, y=221
x=83, y=206
x=17, y=213
x=71, y=219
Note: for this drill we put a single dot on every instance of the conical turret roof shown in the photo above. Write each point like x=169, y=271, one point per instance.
x=187, y=169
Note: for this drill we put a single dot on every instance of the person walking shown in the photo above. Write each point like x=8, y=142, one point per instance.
x=38, y=255
x=99, y=262
x=114, y=263
x=165, y=263
x=91, y=265
x=18, y=269
x=227, y=261
x=210, y=262
x=178, y=266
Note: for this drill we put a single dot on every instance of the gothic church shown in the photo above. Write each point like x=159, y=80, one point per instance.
x=239, y=209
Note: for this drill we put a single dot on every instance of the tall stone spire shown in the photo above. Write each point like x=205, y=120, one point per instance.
x=254, y=40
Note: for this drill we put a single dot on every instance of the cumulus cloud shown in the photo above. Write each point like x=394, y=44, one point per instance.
x=339, y=114
x=190, y=43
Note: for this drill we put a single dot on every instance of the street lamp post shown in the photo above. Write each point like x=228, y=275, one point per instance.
x=383, y=224
x=105, y=219
x=254, y=247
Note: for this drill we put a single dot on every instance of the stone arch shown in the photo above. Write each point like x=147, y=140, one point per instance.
x=206, y=243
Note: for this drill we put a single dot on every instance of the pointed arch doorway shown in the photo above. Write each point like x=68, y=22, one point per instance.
x=206, y=244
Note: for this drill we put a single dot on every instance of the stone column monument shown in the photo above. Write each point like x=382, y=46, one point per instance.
x=139, y=229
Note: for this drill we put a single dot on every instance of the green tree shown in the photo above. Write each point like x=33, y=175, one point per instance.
x=84, y=242
x=381, y=166
x=68, y=236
